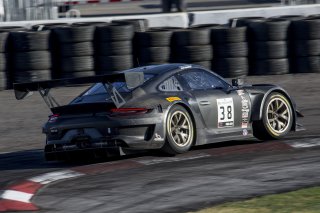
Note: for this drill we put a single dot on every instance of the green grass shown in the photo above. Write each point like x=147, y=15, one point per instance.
x=301, y=201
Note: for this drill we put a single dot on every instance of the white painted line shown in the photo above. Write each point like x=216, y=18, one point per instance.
x=3, y=153
x=55, y=176
x=171, y=159
x=305, y=143
x=16, y=196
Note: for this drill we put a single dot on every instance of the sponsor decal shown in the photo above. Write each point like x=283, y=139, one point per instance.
x=245, y=109
x=244, y=125
x=158, y=137
x=245, y=132
x=225, y=112
x=172, y=99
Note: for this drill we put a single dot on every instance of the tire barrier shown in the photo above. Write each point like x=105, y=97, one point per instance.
x=268, y=50
x=230, y=49
x=192, y=46
x=54, y=46
x=3, y=60
x=30, y=56
x=253, y=45
x=154, y=47
x=305, y=45
x=6, y=71
x=73, y=51
x=113, y=47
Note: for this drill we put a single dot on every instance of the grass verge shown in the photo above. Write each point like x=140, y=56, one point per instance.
x=301, y=201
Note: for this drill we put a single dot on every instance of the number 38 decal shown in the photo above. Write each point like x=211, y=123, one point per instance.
x=225, y=112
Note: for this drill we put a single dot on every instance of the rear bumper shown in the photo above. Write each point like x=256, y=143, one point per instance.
x=136, y=134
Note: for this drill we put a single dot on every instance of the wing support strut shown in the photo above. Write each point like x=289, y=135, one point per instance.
x=50, y=101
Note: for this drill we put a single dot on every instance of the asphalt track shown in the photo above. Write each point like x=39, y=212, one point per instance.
x=148, y=182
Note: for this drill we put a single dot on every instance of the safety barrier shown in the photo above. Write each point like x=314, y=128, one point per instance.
x=244, y=46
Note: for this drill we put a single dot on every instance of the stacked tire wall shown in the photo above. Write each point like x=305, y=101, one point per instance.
x=113, y=47
x=73, y=51
x=230, y=51
x=153, y=47
x=192, y=46
x=305, y=45
x=3, y=59
x=31, y=60
x=269, y=47
x=262, y=46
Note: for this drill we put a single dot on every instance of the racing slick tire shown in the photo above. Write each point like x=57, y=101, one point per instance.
x=228, y=35
x=180, y=132
x=277, y=118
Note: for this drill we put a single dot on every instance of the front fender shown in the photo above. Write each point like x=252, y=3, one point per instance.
x=259, y=99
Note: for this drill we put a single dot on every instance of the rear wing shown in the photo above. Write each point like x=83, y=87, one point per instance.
x=132, y=79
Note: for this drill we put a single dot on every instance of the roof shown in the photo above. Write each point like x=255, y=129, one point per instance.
x=158, y=69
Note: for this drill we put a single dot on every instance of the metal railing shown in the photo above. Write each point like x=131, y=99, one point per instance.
x=25, y=10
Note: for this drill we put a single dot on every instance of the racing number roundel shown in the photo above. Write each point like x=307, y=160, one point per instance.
x=225, y=112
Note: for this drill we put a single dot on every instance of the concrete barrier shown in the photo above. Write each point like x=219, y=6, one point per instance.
x=222, y=16
x=156, y=20
x=188, y=19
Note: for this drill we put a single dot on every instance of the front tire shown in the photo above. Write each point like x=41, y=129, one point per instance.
x=179, y=131
x=277, y=118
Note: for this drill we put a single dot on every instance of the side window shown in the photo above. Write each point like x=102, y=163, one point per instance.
x=171, y=84
x=202, y=80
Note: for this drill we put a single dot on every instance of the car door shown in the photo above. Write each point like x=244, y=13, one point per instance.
x=220, y=107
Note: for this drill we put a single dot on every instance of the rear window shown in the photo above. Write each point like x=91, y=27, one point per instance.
x=98, y=93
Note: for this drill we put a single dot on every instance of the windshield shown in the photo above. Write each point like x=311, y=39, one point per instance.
x=98, y=93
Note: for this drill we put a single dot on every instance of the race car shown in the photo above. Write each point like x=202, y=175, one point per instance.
x=170, y=107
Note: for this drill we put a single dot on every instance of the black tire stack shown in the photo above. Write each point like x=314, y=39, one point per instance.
x=154, y=47
x=113, y=47
x=3, y=59
x=6, y=53
x=73, y=51
x=31, y=60
x=269, y=47
x=192, y=46
x=230, y=49
x=305, y=45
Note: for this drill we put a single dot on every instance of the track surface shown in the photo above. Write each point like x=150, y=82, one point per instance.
x=222, y=173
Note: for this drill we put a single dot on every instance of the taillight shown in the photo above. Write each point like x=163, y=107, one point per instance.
x=53, y=118
x=128, y=111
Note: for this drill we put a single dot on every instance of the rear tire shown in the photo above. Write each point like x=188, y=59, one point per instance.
x=277, y=118
x=180, y=131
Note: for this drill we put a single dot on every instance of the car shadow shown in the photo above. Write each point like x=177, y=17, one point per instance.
x=34, y=159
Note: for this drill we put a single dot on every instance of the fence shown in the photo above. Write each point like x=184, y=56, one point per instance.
x=25, y=10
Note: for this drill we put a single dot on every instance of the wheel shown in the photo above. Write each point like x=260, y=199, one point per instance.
x=277, y=118
x=180, y=131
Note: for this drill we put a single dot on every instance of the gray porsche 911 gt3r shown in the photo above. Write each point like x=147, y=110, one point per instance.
x=169, y=107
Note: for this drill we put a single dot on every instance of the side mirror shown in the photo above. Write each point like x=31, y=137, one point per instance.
x=237, y=82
